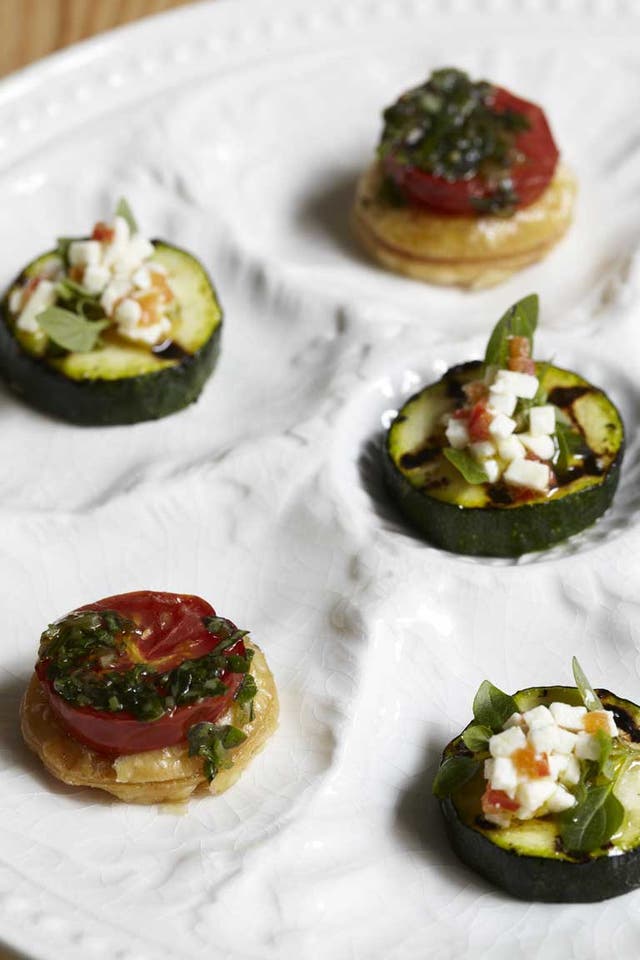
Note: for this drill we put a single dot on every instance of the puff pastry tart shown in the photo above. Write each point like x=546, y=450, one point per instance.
x=466, y=188
x=149, y=696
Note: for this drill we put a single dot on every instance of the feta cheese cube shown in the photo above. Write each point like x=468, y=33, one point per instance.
x=502, y=402
x=571, y=773
x=560, y=800
x=457, y=434
x=128, y=313
x=85, y=253
x=140, y=248
x=510, y=448
x=567, y=716
x=565, y=741
x=515, y=720
x=491, y=469
x=538, y=717
x=504, y=776
x=543, y=739
x=115, y=290
x=529, y=474
x=121, y=232
x=557, y=764
x=501, y=426
x=542, y=420
x=150, y=334
x=15, y=299
x=533, y=794
x=142, y=278
x=42, y=297
x=542, y=446
x=483, y=450
x=523, y=385
x=503, y=744
x=95, y=278
x=587, y=746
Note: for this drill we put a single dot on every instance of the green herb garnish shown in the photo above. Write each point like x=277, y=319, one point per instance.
x=212, y=743
x=476, y=737
x=594, y=819
x=453, y=774
x=465, y=464
x=589, y=697
x=491, y=707
x=71, y=331
x=520, y=320
x=124, y=210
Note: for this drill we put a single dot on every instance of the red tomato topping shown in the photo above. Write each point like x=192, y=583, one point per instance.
x=530, y=175
x=479, y=421
x=519, y=358
x=171, y=630
x=497, y=801
x=102, y=232
x=529, y=765
x=475, y=391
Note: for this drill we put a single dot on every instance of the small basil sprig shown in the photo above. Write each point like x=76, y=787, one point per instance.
x=569, y=443
x=124, y=210
x=492, y=707
x=520, y=320
x=71, y=331
x=593, y=820
x=589, y=697
x=212, y=742
x=464, y=463
x=454, y=773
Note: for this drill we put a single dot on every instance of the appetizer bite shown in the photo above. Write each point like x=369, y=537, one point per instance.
x=505, y=455
x=541, y=792
x=466, y=188
x=109, y=329
x=148, y=696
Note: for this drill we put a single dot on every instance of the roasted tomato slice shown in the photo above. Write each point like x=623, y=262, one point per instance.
x=536, y=157
x=159, y=662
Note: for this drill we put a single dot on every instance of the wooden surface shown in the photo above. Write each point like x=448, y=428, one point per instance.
x=30, y=29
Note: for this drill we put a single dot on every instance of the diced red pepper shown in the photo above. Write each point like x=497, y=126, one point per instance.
x=528, y=764
x=497, y=801
x=102, y=232
x=520, y=355
x=479, y=421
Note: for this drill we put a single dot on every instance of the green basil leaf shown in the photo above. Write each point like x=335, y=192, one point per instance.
x=476, y=737
x=592, y=821
x=603, y=762
x=124, y=210
x=454, y=773
x=520, y=320
x=492, y=707
x=62, y=248
x=569, y=442
x=589, y=697
x=464, y=463
x=68, y=289
x=69, y=330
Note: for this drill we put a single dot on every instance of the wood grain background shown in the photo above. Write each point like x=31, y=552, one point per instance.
x=30, y=29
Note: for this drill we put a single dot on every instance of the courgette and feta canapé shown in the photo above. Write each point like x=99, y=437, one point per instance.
x=148, y=696
x=505, y=455
x=466, y=187
x=541, y=792
x=110, y=329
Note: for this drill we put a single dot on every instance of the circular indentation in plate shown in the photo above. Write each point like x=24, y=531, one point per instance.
x=359, y=451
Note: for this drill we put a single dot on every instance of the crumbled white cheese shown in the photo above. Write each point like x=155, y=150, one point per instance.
x=501, y=426
x=95, y=278
x=502, y=402
x=457, y=434
x=492, y=470
x=503, y=744
x=84, y=253
x=529, y=474
x=541, y=446
x=538, y=717
x=523, y=385
x=42, y=297
x=483, y=450
x=542, y=420
x=571, y=718
x=510, y=448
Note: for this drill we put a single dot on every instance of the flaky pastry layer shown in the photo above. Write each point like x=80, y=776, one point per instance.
x=473, y=251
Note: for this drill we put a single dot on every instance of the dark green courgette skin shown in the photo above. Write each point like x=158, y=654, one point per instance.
x=493, y=531
x=538, y=878
x=102, y=402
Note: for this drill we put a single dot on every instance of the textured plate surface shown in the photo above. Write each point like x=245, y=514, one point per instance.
x=237, y=130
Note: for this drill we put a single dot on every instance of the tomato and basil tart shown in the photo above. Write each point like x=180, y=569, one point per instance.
x=541, y=792
x=466, y=187
x=110, y=329
x=505, y=455
x=153, y=694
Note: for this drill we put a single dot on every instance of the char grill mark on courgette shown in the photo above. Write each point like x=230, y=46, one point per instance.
x=431, y=492
x=121, y=382
x=528, y=859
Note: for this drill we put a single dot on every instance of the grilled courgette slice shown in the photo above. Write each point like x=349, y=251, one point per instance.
x=527, y=858
x=486, y=519
x=119, y=382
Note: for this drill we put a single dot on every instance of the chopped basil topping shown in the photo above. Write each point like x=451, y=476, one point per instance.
x=79, y=652
x=212, y=742
x=448, y=127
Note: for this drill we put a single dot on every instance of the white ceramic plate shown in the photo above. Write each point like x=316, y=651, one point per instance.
x=237, y=130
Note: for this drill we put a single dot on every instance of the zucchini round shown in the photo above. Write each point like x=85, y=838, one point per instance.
x=526, y=859
x=120, y=382
x=482, y=519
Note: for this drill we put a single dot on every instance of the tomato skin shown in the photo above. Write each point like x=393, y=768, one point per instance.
x=496, y=801
x=530, y=178
x=479, y=422
x=172, y=631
